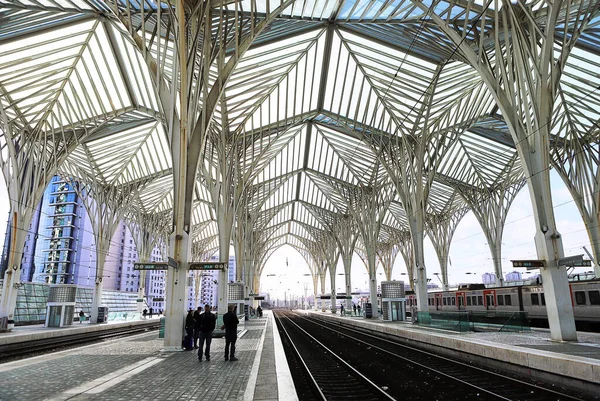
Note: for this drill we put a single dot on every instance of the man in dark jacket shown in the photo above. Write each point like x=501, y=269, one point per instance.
x=230, y=322
x=205, y=325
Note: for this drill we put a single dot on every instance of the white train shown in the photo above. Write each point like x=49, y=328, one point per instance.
x=585, y=298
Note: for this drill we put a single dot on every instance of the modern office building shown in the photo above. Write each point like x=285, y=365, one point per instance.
x=60, y=248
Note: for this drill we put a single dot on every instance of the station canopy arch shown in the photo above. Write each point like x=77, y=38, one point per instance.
x=319, y=99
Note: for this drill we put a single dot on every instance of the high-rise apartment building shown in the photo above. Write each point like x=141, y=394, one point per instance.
x=60, y=248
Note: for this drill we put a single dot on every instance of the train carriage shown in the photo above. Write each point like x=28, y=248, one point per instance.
x=585, y=298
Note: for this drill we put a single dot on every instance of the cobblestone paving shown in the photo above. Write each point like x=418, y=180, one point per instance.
x=179, y=376
x=182, y=377
x=49, y=378
x=252, y=334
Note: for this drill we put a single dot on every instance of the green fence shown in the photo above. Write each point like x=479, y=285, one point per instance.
x=499, y=321
x=455, y=321
x=475, y=321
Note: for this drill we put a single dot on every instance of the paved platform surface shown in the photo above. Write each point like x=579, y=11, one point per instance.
x=135, y=368
x=532, y=349
x=38, y=331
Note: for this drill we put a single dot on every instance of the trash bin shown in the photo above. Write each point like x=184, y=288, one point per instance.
x=368, y=310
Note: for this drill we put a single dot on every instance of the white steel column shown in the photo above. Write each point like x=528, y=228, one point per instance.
x=332, y=269
x=415, y=221
x=12, y=276
x=179, y=241
x=549, y=247
x=176, y=294
x=347, y=260
x=322, y=278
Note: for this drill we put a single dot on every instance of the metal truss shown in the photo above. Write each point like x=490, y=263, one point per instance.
x=274, y=115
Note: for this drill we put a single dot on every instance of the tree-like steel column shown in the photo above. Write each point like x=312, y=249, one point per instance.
x=368, y=206
x=346, y=236
x=491, y=208
x=29, y=158
x=341, y=228
x=406, y=249
x=146, y=230
x=440, y=228
x=387, y=253
x=411, y=161
x=194, y=35
x=522, y=67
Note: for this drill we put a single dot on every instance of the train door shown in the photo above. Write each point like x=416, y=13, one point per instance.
x=489, y=299
x=438, y=301
x=461, y=300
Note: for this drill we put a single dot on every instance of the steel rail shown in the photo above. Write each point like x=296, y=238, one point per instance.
x=439, y=357
x=362, y=377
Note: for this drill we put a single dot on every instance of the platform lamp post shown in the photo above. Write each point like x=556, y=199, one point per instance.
x=89, y=265
x=438, y=277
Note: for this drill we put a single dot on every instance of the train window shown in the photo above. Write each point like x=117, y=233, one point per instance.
x=500, y=300
x=507, y=300
x=535, y=299
x=468, y=301
x=543, y=299
x=594, y=297
x=580, y=298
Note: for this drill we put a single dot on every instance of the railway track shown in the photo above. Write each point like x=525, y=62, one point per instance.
x=14, y=351
x=409, y=373
x=325, y=375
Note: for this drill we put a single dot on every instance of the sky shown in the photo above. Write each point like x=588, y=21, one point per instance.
x=469, y=252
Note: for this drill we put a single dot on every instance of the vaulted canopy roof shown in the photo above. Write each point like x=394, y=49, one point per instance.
x=320, y=95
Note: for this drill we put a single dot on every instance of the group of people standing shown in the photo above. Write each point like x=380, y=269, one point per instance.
x=145, y=312
x=199, y=329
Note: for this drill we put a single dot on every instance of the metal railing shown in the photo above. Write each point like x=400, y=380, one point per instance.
x=475, y=321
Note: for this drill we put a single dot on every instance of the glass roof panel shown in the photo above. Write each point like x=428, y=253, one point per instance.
x=277, y=90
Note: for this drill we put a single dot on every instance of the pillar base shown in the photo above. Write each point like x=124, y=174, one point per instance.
x=171, y=349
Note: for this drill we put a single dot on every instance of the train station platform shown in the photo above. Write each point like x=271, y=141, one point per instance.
x=136, y=368
x=39, y=332
x=529, y=353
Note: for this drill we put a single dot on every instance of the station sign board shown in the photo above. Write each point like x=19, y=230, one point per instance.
x=208, y=266
x=151, y=266
x=173, y=263
x=583, y=263
x=259, y=298
x=529, y=264
x=570, y=261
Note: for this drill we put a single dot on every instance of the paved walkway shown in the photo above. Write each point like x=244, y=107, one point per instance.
x=136, y=369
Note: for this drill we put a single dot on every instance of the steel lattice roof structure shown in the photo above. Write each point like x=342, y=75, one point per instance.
x=303, y=107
